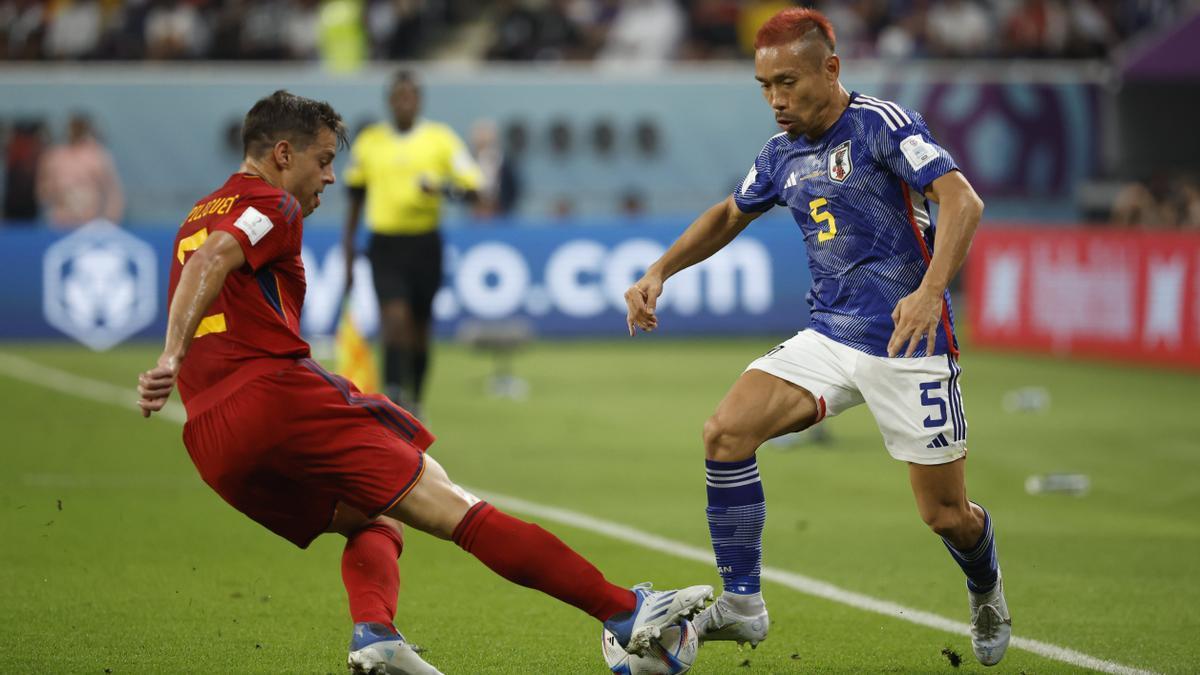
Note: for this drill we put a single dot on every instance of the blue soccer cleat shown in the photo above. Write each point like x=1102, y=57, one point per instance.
x=377, y=649
x=655, y=611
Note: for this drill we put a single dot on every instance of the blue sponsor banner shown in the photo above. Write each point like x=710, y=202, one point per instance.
x=102, y=285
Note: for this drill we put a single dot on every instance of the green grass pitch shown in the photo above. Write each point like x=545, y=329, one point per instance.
x=115, y=557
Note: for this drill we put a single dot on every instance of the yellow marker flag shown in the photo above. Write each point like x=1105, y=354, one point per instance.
x=355, y=360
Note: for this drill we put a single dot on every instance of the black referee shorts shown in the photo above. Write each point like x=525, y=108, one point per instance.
x=407, y=267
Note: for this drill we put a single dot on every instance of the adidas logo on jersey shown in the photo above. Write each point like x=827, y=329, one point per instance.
x=939, y=441
x=793, y=180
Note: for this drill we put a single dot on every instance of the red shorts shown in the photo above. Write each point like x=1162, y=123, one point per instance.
x=285, y=447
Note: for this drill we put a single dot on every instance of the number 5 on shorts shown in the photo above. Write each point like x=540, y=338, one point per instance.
x=928, y=400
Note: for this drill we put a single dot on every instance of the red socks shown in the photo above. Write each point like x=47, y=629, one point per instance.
x=370, y=572
x=526, y=554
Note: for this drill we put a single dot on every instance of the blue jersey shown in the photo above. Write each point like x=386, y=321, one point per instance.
x=857, y=193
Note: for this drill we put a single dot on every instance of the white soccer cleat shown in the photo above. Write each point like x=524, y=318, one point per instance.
x=991, y=625
x=655, y=610
x=722, y=621
x=376, y=650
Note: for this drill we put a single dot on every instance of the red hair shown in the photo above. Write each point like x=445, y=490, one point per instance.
x=793, y=24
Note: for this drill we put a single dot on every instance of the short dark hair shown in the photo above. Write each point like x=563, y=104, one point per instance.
x=405, y=76
x=286, y=116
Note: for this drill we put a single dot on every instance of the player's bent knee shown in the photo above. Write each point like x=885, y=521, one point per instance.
x=723, y=444
x=945, y=522
x=435, y=505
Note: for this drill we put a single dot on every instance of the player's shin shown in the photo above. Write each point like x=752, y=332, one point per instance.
x=979, y=562
x=370, y=573
x=528, y=555
x=737, y=511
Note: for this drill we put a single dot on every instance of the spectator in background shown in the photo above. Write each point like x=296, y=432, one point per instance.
x=513, y=38
x=300, y=30
x=1092, y=34
x=22, y=154
x=1189, y=204
x=560, y=33
x=1161, y=203
x=341, y=36
x=263, y=30
x=22, y=29
x=644, y=33
x=754, y=14
x=1037, y=28
x=632, y=204
x=74, y=30
x=175, y=30
x=712, y=30
x=226, y=41
x=905, y=38
x=396, y=28
x=959, y=28
x=77, y=182
x=500, y=187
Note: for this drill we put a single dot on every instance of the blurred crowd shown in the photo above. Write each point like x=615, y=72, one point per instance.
x=639, y=31
x=65, y=184
x=223, y=29
x=1163, y=202
x=647, y=30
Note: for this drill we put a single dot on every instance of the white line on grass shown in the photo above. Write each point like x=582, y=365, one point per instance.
x=23, y=369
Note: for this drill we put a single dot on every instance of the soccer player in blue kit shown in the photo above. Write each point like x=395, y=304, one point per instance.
x=857, y=174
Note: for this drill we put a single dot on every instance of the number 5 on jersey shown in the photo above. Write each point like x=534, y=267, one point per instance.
x=822, y=218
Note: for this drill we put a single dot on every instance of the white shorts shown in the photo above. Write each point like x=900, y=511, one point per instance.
x=916, y=402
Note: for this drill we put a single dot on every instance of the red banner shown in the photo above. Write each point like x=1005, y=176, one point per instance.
x=1119, y=294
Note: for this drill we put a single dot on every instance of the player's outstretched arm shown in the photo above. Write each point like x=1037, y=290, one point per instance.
x=918, y=314
x=199, y=285
x=708, y=234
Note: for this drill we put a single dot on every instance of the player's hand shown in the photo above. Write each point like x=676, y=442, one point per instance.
x=428, y=185
x=640, y=301
x=916, y=317
x=155, y=385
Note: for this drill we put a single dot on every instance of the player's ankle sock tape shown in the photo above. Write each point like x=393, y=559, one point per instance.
x=370, y=573
x=979, y=563
x=737, y=511
x=528, y=555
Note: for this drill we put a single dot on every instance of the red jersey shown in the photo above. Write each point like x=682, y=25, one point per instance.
x=254, y=323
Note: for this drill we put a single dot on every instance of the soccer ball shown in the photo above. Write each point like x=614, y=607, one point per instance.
x=672, y=653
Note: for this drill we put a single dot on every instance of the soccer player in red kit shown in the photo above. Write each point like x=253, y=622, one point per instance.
x=301, y=450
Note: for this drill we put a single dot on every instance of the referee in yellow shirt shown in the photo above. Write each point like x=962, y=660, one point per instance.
x=403, y=170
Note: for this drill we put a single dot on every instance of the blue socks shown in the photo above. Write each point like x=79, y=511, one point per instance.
x=737, y=511
x=979, y=563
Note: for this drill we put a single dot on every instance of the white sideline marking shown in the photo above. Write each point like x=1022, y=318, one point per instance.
x=23, y=369
x=20, y=368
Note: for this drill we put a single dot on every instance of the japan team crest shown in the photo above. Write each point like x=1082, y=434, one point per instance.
x=840, y=165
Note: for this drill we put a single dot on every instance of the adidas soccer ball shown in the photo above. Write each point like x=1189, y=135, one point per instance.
x=672, y=653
